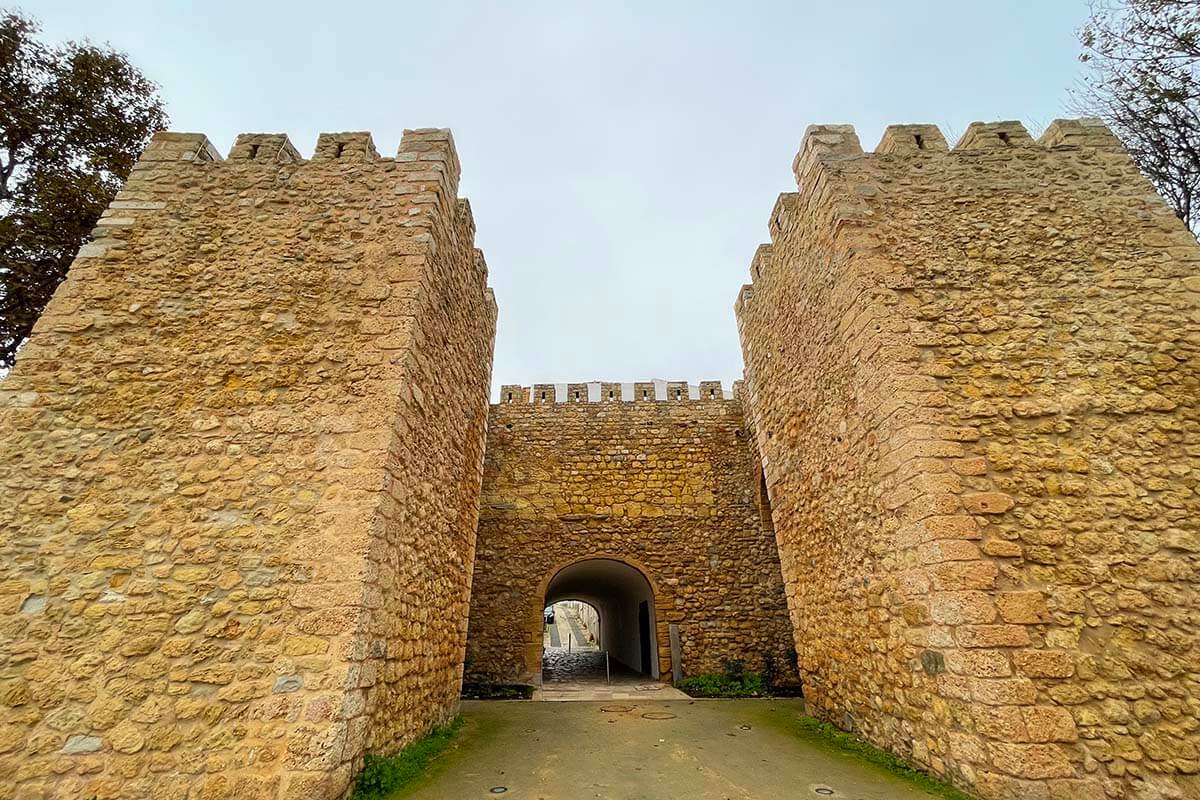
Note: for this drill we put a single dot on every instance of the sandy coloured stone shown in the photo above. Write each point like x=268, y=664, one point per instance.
x=991, y=636
x=240, y=500
x=1034, y=761
x=126, y=738
x=948, y=237
x=1022, y=607
x=987, y=502
x=930, y=334
x=1044, y=663
x=671, y=486
x=1001, y=548
x=1049, y=724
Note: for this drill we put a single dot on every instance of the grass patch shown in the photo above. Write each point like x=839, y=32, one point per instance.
x=830, y=737
x=382, y=775
x=736, y=681
x=716, y=684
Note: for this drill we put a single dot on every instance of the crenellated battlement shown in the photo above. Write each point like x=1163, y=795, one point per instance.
x=416, y=145
x=823, y=145
x=612, y=392
x=423, y=175
x=829, y=151
x=424, y=153
x=826, y=143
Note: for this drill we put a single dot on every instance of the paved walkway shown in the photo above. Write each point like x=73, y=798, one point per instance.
x=581, y=676
x=693, y=749
x=567, y=623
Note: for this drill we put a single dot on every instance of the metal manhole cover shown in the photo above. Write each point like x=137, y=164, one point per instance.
x=616, y=709
x=657, y=715
x=498, y=789
x=824, y=791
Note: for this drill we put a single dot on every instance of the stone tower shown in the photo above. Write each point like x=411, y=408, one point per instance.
x=240, y=461
x=974, y=379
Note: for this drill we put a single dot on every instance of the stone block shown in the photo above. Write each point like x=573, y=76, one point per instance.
x=992, y=635
x=1049, y=724
x=1044, y=663
x=1024, y=608
x=1030, y=761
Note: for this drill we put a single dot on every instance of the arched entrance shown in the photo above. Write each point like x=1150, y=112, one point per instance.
x=624, y=600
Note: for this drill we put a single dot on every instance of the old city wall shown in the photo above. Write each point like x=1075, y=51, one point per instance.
x=973, y=376
x=240, y=459
x=667, y=486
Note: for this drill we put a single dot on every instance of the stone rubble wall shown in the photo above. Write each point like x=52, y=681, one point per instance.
x=668, y=487
x=240, y=460
x=973, y=377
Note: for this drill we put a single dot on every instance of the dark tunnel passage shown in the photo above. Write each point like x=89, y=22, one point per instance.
x=624, y=601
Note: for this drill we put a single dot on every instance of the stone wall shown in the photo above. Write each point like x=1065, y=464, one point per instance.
x=240, y=460
x=973, y=377
x=667, y=486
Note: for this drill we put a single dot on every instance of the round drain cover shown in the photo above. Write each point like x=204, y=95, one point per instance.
x=657, y=715
x=498, y=789
x=823, y=790
x=616, y=709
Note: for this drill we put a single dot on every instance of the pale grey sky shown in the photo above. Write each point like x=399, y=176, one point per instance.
x=621, y=158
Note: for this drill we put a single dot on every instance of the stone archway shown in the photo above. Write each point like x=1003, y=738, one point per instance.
x=632, y=617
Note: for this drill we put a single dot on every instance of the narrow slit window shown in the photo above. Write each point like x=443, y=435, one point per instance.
x=340, y=149
x=1003, y=138
x=510, y=397
x=253, y=152
x=920, y=141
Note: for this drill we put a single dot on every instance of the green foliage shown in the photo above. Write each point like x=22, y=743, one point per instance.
x=73, y=119
x=735, y=681
x=826, y=735
x=382, y=775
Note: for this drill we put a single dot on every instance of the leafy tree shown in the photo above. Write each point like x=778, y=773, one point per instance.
x=73, y=119
x=1144, y=82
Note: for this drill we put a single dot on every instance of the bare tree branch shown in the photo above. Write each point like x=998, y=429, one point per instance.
x=1144, y=82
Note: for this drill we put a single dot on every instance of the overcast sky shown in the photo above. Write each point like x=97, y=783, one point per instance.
x=621, y=159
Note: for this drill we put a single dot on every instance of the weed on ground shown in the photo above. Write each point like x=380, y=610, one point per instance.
x=383, y=775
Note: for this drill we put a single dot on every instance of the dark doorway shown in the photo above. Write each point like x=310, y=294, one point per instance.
x=644, y=635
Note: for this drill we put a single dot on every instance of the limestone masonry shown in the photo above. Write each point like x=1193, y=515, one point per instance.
x=670, y=487
x=257, y=519
x=973, y=376
x=241, y=458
